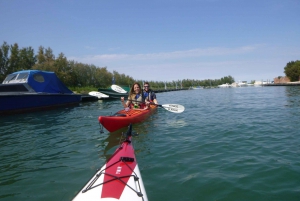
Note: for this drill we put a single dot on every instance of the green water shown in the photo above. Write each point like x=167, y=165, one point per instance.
x=229, y=144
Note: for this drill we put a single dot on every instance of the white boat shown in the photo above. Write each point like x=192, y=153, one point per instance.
x=241, y=84
x=234, y=84
x=98, y=94
x=224, y=85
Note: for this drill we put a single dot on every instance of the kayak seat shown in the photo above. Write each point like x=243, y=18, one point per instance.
x=119, y=115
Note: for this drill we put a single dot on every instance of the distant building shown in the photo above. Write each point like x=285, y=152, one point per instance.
x=281, y=79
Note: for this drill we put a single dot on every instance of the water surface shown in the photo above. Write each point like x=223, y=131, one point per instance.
x=229, y=144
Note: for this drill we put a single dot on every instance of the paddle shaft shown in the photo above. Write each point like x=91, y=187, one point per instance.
x=169, y=107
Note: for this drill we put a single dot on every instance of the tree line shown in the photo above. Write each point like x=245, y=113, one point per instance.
x=72, y=73
x=76, y=74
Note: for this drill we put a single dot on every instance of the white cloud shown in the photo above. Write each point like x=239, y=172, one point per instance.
x=252, y=62
x=193, y=53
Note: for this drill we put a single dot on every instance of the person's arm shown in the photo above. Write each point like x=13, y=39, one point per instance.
x=123, y=102
x=154, y=98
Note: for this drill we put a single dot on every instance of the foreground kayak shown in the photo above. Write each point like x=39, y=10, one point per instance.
x=118, y=179
x=123, y=118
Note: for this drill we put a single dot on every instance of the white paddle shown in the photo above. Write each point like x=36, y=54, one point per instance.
x=172, y=107
x=118, y=89
x=98, y=94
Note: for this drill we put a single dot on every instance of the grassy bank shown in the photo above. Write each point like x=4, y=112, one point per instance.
x=83, y=90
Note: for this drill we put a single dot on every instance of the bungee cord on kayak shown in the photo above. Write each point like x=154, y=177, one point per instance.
x=119, y=178
x=113, y=178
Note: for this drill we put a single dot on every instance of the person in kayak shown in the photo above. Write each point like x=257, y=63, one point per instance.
x=135, y=99
x=149, y=95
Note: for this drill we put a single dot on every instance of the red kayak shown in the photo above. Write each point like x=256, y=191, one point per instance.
x=123, y=118
x=119, y=179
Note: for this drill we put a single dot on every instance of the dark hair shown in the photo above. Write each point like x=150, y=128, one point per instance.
x=147, y=83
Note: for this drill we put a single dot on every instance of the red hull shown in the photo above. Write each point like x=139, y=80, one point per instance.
x=123, y=119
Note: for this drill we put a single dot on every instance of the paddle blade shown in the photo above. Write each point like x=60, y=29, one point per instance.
x=174, y=108
x=118, y=89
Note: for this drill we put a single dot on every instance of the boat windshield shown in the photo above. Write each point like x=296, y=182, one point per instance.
x=16, y=78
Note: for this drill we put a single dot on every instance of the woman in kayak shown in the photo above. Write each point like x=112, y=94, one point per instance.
x=135, y=98
x=149, y=95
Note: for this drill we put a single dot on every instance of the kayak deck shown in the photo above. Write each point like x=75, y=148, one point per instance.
x=118, y=179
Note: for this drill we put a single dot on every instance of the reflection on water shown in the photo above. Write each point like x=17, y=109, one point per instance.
x=141, y=130
x=177, y=123
x=111, y=143
x=293, y=96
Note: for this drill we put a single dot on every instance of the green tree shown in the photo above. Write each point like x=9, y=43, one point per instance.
x=13, y=59
x=292, y=70
x=45, y=60
x=27, y=58
x=102, y=77
x=41, y=56
x=4, y=50
x=62, y=69
x=49, y=55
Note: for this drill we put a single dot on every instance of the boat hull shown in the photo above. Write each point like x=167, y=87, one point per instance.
x=12, y=103
x=123, y=118
x=118, y=179
x=113, y=94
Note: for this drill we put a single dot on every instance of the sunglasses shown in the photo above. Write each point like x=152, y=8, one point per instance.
x=146, y=86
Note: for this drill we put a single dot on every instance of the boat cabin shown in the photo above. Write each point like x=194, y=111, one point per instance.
x=33, y=81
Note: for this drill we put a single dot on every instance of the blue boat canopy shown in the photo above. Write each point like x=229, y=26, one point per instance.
x=39, y=81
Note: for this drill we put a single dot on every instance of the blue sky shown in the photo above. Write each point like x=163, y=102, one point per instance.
x=162, y=40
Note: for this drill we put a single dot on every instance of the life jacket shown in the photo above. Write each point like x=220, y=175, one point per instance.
x=137, y=102
x=149, y=96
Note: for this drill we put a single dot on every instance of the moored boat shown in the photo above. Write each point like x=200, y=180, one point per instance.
x=99, y=95
x=32, y=90
x=118, y=179
x=125, y=117
x=113, y=93
x=224, y=85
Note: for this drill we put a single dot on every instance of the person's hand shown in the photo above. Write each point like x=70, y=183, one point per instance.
x=122, y=99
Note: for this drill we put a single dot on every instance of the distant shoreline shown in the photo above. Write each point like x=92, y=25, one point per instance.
x=284, y=84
